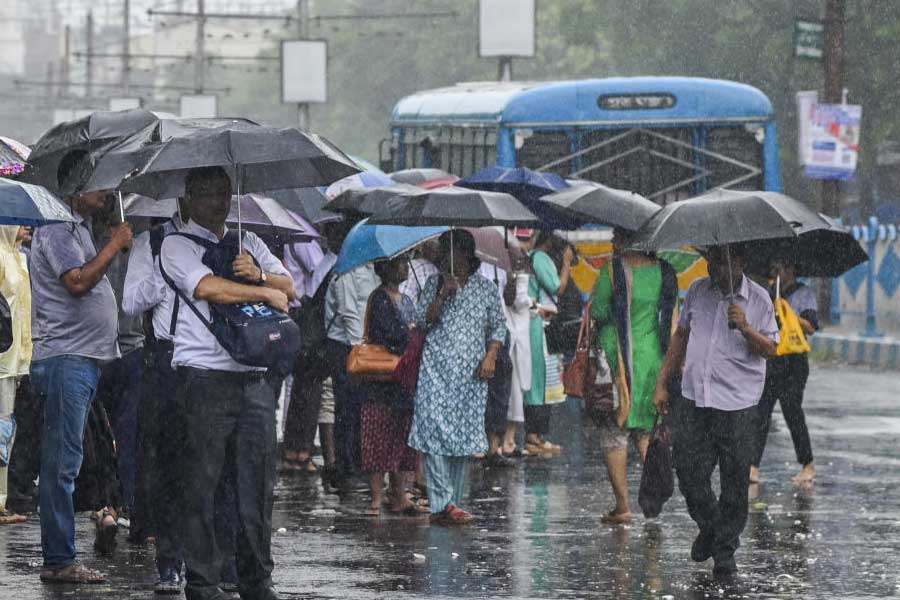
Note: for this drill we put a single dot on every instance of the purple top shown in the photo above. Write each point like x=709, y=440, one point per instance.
x=720, y=370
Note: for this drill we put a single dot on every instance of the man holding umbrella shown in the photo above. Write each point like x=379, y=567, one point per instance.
x=229, y=408
x=726, y=332
x=74, y=330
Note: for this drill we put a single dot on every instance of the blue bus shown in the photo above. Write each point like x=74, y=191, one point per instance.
x=667, y=138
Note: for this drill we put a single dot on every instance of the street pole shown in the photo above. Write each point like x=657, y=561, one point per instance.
x=200, y=50
x=835, y=23
x=302, y=32
x=67, y=60
x=89, y=63
x=504, y=72
x=126, y=47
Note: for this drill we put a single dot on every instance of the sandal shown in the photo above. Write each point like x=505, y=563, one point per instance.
x=373, y=511
x=413, y=509
x=457, y=516
x=8, y=518
x=75, y=573
x=105, y=542
x=614, y=518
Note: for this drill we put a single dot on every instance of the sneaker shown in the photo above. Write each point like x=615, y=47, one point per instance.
x=169, y=582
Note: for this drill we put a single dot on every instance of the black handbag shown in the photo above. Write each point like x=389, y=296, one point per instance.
x=6, y=332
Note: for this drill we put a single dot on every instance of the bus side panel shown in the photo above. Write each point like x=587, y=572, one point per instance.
x=506, y=147
x=400, y=162
x=772, y=160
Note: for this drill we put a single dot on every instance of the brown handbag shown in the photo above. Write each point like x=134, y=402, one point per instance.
x=580, y=376
x=371, y=362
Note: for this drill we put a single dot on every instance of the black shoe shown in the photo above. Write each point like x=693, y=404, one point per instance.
x=725, y=566
x=21, y=503
x=498, y=461
x=701, y=549
x=267, y=593
x=169, y=583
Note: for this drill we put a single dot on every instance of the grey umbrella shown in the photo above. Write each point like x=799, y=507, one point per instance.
x=592, y=203
x=417, y=176
x=364, y=201
x=723, y=217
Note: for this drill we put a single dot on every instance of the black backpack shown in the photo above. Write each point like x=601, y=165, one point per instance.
x=254, y=334
x=310, y=319
x=6, y=332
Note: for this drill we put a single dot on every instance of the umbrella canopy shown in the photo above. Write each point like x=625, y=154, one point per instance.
x=727, y=217
x=439, y=182
x=257, y=158
x=89, y=134
x=417, y=176
x=366, y=243
x=823, y=252
x=33, y=205
x=368, y=200
x=492, y=246
x=365, y=179
x=453, y=206
x=597, y=204
x=259, y=214
x=13, y=155
x=528, y=187
x=366, y=165
x=307, y=202
x=109, y=166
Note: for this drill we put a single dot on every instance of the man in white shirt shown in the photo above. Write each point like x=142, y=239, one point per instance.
x=345, y=313
x=228, y=407
x=159, y=420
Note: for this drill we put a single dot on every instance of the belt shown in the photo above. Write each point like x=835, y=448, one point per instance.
x=230, y=376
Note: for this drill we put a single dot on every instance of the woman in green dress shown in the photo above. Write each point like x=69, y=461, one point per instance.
x=545, y=286
x=634, y=305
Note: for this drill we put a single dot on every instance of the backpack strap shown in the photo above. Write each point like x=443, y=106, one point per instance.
x=180, y=295
x=157, y=235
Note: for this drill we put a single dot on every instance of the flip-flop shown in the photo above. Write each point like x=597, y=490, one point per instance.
x=372, y=512
x=413, y=510
x=8, y=518
x=72, y=574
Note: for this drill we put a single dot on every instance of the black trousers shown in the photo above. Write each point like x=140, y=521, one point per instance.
x=499, y=388
x=303, y=410
x=25, y=461
x=162, y=435
x=347, y=411
x=703, y=438
x=230, y=433
x=786, y=378
x=537, y=419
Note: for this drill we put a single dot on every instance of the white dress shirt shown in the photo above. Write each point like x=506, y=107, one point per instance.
x=144, y=286
x=347, y=297
x=195, y=345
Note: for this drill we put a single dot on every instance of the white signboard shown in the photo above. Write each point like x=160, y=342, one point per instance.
x=506, y=28
x=833, y=141
x=304, y=71
x=199, y=106
x=806, y=106
x=124, y=103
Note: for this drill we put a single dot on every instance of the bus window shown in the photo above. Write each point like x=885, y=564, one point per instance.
x=741, y=146
x=543, y=147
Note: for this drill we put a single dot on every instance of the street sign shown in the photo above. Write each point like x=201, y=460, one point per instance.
x=304, y=71
x=199, y=106
x=833, y=146
x=506, y=28
x=809, y=39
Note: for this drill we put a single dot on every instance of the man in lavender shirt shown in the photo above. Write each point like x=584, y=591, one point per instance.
x=723, y=342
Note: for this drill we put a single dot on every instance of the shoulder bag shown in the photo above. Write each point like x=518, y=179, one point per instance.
x=371, y=362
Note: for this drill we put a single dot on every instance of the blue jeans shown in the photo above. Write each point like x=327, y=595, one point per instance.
x=66, y=385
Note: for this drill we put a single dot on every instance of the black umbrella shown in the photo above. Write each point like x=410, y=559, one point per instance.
x=364, y=201
x=723, y=217
x=823, y=252
x=257, y=158
x=91, y=134
x=600, y=205
x=417, y=176
x=307, y=202
x=454, y=207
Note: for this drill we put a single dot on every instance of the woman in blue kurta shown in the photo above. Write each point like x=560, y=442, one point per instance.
x=466, y=327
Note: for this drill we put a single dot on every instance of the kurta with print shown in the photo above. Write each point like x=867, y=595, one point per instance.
x=450, y=400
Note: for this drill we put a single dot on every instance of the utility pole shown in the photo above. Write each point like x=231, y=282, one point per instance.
x=67, y=61
x=504, y=71
x=200, y=50
x=303, y=33
x=126, y=46
x=835, y=24
x=89, y=63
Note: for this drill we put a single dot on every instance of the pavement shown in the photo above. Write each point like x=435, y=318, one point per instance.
x=540, y=536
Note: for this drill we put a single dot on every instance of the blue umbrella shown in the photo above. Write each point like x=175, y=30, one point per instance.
x=366, y=243
x=528, y=187
x=32, y=205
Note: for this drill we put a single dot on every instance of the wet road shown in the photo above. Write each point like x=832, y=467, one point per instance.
x=539, y=535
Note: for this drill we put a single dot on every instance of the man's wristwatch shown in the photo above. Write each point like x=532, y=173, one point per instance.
x=262, y=277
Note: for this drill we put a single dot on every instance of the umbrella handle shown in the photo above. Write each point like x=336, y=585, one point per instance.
x=731, y=324
x=237, y=177
x=121, y=213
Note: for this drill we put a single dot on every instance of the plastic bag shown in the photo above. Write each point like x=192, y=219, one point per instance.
x=793, y=340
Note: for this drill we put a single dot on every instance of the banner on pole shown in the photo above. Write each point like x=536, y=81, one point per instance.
x=832, y=147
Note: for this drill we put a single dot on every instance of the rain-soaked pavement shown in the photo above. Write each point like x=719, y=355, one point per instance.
x=540, y=536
